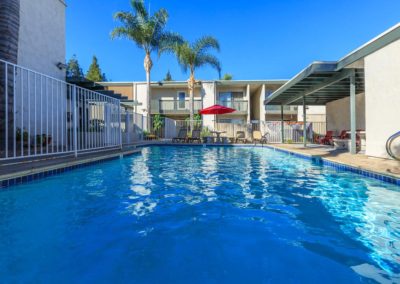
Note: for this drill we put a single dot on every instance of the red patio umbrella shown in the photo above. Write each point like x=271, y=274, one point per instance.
x=217, y=109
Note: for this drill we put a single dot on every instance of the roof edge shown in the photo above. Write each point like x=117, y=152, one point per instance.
x=378, y=42
x=316, y=66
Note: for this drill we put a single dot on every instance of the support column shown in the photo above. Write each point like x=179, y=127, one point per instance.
x=353, y=147
x=304, y=122
x=282, y=127
x=248, y=97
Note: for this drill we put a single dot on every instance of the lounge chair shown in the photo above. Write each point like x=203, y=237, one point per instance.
x=258, y=137
x=240, y=137
x=182, y=137
x=195, y=136
x=327, y=139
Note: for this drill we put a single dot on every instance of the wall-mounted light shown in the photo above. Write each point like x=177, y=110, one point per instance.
x=61, y=65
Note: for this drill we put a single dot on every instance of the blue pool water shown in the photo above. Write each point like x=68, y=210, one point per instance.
x=201, y=215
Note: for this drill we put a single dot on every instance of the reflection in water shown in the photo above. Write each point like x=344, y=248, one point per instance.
x=214, y=214
x=367, y=211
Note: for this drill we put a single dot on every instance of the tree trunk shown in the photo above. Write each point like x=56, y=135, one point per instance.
x=9, y=37
x=148, y=64
x=191, y=84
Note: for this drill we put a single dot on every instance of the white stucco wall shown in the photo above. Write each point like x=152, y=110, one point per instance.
x=209, y=99
x=314, y=113
x=338, y=114
x=382, y=87
x=42, y=36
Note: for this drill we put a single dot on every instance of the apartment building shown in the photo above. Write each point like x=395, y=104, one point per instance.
x=171, y=99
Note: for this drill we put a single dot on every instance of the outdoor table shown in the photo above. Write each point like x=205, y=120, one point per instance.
x=218, y=134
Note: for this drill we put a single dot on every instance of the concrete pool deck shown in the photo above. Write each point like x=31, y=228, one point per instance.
x=18, y=171
x=378, y=165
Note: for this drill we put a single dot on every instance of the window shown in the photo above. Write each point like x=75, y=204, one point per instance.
x=181, y=99
x=225, y=97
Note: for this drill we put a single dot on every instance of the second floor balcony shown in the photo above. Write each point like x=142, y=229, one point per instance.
x=275, y=109
x=175, y=106
x=241, y=106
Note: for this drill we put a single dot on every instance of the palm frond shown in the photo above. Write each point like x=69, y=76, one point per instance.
x=209, y=59
x=160, y=17
x=203, y=44
x=140, y=9
x=169, y=42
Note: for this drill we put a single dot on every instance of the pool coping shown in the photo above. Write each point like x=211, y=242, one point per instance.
x=384, y=177
x=36, y=173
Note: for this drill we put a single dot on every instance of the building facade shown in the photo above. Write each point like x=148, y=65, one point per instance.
x=171, y=99
x=41, y=45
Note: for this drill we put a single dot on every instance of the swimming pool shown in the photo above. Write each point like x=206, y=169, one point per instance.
x=201, y=215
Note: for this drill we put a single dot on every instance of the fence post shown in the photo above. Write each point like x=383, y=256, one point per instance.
x=75, y=118
x=119, y=123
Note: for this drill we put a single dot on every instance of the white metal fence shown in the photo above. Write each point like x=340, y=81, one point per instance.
x=41, y=115
x=293, y=131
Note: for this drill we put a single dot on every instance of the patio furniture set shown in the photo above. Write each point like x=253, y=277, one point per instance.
x=217, y=138
x=342, y=141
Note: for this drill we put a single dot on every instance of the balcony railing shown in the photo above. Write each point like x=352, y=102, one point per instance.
x=174, y=106
x=273, y=109
x=239, y=106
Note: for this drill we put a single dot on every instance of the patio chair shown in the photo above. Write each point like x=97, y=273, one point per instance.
x=258, y=137
x=195, y=136
x=327, y=139
x=343, y=134
x=182, y=136
x=240, y=137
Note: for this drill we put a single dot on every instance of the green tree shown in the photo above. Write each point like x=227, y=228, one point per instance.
x=227, y=77
x=168, y=77
x=192, y=56
x=74, y=70
x=147, y=31
x=94, y=73
x=158, y=123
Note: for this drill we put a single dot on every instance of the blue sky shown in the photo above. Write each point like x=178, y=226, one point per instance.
x=260, y=39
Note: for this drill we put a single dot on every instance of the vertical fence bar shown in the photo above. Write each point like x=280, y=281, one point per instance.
x=97, y=125
x=14, y=112
x=52, y=116
x=6, y=108
x=29, y=112
x=57, y=116
x=61, y=126
x=71, y=133
x=47, y=115
x=75, y=120
x=119, y=124
x=22, y=113
x=41, y=117
x=35, y=110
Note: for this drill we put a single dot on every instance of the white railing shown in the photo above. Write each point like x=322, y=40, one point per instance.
x=41, y=115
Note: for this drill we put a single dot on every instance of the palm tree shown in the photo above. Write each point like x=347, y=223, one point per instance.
x=9, y=35
x=192, y=56
x=147, y=31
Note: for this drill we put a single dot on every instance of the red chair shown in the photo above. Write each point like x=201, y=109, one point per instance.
x=327, y=139
x=343, y=134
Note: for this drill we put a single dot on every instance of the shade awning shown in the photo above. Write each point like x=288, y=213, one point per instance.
x=320, y=83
